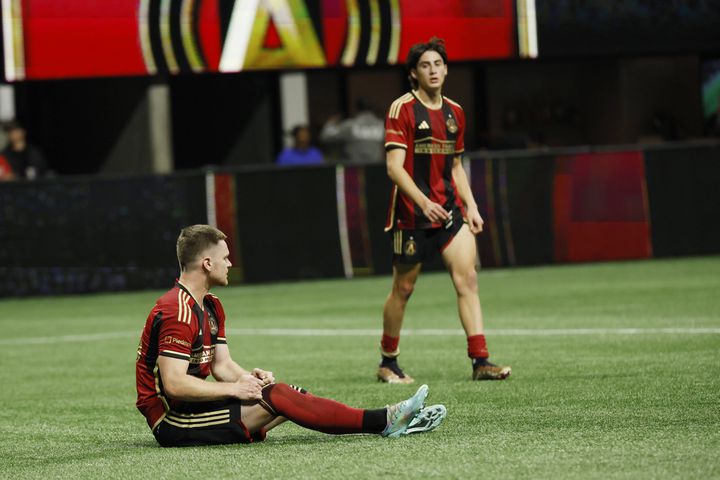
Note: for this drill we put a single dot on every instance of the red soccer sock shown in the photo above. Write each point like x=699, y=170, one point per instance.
x=320, y=414
x=477, y=348
x=389, y=345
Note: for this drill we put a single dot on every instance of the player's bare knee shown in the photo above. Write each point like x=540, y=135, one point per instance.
x=466, y=282
x=403, y=290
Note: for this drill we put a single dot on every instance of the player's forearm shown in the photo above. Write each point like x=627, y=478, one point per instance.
x=192, y=389
x=463, y=186
x=228, y=371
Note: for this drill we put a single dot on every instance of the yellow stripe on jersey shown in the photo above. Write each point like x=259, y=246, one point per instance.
x=397, y=105
x=389, y=226
x=184, y=309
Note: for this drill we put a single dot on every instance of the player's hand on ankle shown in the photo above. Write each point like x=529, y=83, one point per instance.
x=266, y=377
x=248, y=387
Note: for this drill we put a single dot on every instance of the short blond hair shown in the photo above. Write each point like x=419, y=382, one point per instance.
x=194, y=240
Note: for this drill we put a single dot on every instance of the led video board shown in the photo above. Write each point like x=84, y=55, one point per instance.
x=45, y=39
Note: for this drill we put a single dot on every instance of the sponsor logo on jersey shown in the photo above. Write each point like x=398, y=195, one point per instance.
x=423, y=126
x=170, y=340
x=213, y=323
x=206, y=355
x=435, y=148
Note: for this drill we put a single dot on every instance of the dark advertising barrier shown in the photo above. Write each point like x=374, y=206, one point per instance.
x=684, y=200
x=83, y=235
x=287, y=224
x=106, y=234
x=514, y=196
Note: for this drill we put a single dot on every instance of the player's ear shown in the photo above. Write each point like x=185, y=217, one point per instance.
x=206, y=263
x=413, y=73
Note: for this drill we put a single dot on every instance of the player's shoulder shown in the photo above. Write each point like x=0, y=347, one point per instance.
x=176, y=302
x=212, y=298
x=453, y=104
x=400, y=102
x=214, y=301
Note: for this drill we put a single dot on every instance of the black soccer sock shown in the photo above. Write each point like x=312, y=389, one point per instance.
x=480, y=361
x=388, y=361
x=374, y=421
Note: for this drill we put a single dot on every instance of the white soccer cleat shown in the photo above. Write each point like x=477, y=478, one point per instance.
x=428, y=419
x=401, y=414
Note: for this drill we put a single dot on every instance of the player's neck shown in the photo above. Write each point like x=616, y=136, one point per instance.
x=197, y=285
x=430, y=98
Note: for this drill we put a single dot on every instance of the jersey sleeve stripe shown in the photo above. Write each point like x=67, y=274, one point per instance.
x=395, y=144
x=394, y=109
x=397, y=105
x=184, y=310
x=181, y=310
x=174, y=354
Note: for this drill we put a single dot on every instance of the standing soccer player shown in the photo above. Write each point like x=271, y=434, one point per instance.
x=184, y=342
x=432, y=209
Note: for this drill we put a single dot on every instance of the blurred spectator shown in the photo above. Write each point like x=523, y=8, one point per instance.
x=361, y=136
x=24, y=160
x=301, y=152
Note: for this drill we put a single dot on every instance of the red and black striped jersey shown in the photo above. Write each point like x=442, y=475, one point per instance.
x=177, y=327
x=432, y=138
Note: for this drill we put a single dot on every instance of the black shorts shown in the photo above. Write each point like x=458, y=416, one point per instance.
x=205, y=423
x=411, y=247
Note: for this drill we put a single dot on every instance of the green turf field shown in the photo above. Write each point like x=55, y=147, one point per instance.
x=616, y=373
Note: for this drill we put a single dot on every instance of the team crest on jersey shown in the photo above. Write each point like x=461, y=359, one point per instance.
x=410, y=247
x=213, y=323
x=451, y=125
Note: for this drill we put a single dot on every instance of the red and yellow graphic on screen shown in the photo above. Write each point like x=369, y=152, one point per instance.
x=66, y=38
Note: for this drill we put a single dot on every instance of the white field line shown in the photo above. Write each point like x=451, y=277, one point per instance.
x=336, y=332
x=369, y=332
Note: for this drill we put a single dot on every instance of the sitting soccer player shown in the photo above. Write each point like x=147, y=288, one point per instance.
x=184, y=341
